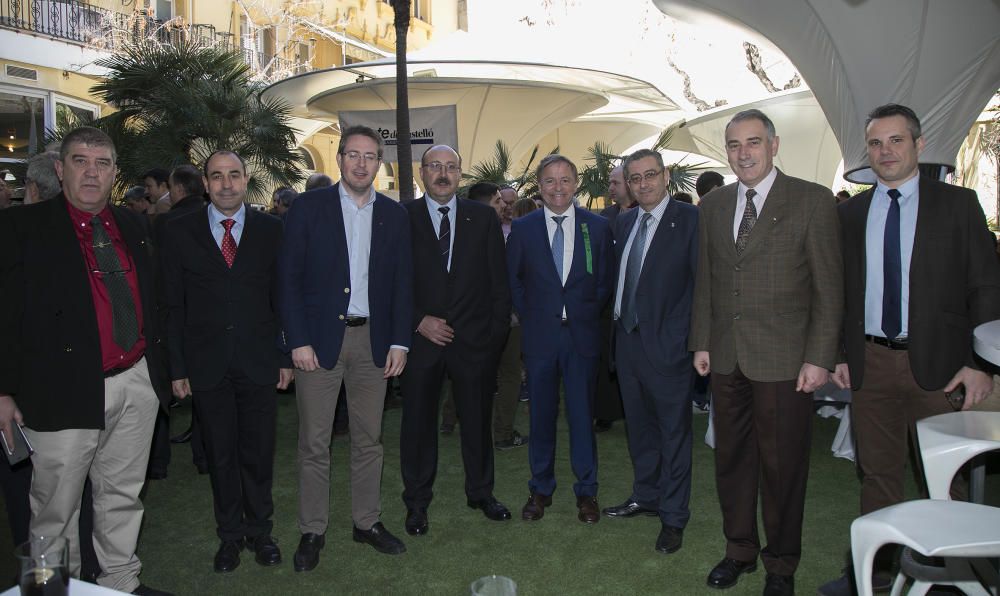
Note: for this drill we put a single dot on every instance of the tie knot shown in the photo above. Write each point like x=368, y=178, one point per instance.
x=894, y=194
x=444, y=210
x=645, y=218
x=228, y=224
x=751, y=193
x=558, y=219
x=96, y=221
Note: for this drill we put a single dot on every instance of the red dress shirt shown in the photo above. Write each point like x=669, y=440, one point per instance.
x=112, y=354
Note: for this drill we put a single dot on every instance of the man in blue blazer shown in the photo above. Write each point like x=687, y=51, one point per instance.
x=560, y=267
x=657, y=254
x=345, y=295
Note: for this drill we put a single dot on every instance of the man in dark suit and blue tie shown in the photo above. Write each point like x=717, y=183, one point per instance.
x=559, y=301
x=920, y=274
x=461, y=314
x=657, y=255
x=223, y=337
x=346, y=298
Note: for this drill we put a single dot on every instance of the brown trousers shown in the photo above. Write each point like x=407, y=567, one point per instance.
x=884, y=414
x=763, y=433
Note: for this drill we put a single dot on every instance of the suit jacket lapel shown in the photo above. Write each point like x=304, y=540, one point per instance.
x=463, y=243
x=578, y=266
x=378, y=241
x=659, y=240
x=728, y=216
x=203, y=235
x=541, y=234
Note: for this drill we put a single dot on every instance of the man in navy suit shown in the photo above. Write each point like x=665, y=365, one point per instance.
x=560, y=269
x=657, y=254
x=345, y=295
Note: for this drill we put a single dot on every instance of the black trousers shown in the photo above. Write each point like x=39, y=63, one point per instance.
x=472, y=389
x=238, y=419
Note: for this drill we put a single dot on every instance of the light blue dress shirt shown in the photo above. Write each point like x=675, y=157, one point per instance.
x=358, y=231
x=215, y=218
x=651, y=227
x=432, y=209
x=874, y=239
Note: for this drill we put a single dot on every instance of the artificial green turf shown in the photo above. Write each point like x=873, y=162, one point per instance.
x=557, y=555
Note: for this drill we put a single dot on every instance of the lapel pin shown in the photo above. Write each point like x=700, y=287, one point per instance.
x=672, y=225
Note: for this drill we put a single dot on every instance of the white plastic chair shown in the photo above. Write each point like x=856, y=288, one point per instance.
x=948, y=441
x=933, y=528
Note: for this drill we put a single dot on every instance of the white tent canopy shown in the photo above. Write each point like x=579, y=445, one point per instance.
x=519, y=103
x=807, y=147
x=940, y=58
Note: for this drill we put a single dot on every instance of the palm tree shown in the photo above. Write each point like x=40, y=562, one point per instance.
x=682, y=177
x=404, y=153
x=177, y=104
x=595, y=178
x=498, y=170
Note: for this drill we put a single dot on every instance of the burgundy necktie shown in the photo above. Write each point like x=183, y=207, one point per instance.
x=228, y=242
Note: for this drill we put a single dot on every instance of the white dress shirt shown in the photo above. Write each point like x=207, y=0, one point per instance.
x=654, y=222
x=358, y=231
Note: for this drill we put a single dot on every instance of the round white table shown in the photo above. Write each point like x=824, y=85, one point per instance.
x=76, y=588
x=986, y=341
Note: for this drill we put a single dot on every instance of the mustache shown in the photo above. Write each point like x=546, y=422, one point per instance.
x=442, y=180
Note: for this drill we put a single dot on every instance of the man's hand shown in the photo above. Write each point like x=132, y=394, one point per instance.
x=181, y=388
x=978, y=385
x=395, y=361
x=284, y=377
x=304, y=358
x=436, y=330
x=702, y=364
x=842, y=376
x=9, y=415
x=811, y=378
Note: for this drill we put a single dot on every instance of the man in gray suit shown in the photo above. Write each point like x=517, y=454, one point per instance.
x=766, y=322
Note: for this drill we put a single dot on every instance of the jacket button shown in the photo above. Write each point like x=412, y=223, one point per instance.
x=736, y=292
x=736, y=317
x=67, y=349
x=347, y=290
x=341, y=317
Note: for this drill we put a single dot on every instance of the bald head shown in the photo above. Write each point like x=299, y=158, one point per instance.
x=440, y=171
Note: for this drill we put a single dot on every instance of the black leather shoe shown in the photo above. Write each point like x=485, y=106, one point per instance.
x=144, y=590
x=266, y=550
x=601, y=425
x=157, y=475
x=227, y=557
x=380, y=539
x=728, y=571
x=669, y=540
x=628, y=509
x=184, y=437
x=779, y=585
x=491, y=508
x=306, y=556
x=416, y=522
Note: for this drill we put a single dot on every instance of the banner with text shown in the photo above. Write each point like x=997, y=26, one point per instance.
x=436, y=125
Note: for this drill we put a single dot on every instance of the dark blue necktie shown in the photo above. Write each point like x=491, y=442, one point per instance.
x=892, y=270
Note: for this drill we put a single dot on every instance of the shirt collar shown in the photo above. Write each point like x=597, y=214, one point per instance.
x=569, y=213
x=81, y=217
x=344, y=196
x=215, y=216
x=433, y=205
x=657, y=211
x=763, y=187
x=906, y=189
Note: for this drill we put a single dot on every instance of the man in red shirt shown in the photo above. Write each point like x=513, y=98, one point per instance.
x=76, y=315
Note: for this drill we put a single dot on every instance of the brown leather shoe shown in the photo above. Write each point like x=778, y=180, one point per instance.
x=534, y=509
x=589, y=511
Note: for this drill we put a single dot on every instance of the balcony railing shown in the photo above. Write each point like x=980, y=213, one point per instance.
x=102, y=28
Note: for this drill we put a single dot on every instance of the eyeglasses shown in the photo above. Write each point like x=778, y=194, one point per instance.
x=357, y=156
x=451, y=168
x=648, y=177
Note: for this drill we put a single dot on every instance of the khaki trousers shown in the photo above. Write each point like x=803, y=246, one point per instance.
x=115, y=460
x=316, y=393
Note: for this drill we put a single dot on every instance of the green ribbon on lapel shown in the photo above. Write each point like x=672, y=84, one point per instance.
x=586, y=245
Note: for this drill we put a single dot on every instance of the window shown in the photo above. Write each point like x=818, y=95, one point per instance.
x=22, y=123
x=422, y=10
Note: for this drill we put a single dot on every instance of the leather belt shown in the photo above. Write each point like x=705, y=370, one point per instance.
x=355, y=321
x=892, y=344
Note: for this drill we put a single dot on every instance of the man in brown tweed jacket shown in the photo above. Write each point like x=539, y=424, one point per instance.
x=767, y=310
